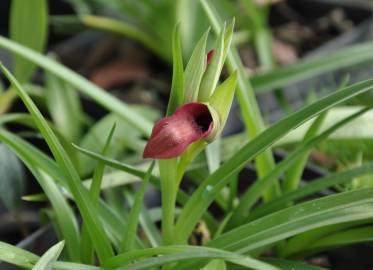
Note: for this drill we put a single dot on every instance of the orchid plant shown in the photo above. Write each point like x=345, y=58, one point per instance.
x=268, y=225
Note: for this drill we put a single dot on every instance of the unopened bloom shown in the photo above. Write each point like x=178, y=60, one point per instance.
x=172, y=135
x=204, y=107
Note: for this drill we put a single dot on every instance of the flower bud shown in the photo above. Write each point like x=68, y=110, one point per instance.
x=172, y=135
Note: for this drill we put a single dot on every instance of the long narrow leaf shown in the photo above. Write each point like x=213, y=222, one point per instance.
x=133, y=218
x=284, y=76
x=47, y=260
x=248, y=199
x=30, y=33
x=208, y=190
x=102, y=244
x=86, y=87
x=66, y=220
x=315, y=186
x=345, y=207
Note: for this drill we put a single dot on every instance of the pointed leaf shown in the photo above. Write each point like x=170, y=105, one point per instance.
x=195, y=69
x=85, y=86
x=64, y=106
x=31, y=33
x=17, y=256
x=177, y=87
x=97, y=233
x=12, y=181
x=47, y=260
x=133, y=218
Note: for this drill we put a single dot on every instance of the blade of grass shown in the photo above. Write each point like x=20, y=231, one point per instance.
x=147, y=222
x=64, y=214
x=112, y=223
x=294, y=174
x=207, y=191
x=304, y=69
x=125, y=29
x=17, y=256
x=86, y=87
x=215, y=265
x=309, y=189
x=177, y=88
x=252, y=119
x=46, y=261
x=343, y=238
x=94, y=192
x=175, y=253
x=334, y=209
x=249, y=198
x=296, y=246
x=133, y=218
x=100, y=240
x=30, y=33
x=64, y=106
x=291, y=265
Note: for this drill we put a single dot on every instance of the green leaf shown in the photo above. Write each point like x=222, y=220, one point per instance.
x=12, y=182
x=294, y=174
x=17, y=256
x=359, y=129
x=133, y=218
x=64, y=107
x=30, y=33
x=147, y=222
x=213, y=155
x=343, y=238
x=86, y=87
x=176, y=253
x=125, y=138
x=195, y=69
x=39, y=164
x=126, y=29
x=74, y=266
x=291, y=265
x=215, y=265
x=208, y=190
x=304, y=69
x=46, y=261
x=315, y=186
x=100, y=240
x=252, y=194
x=177, y=87
x=39, y=197
x=333, y=209
x=94, y=192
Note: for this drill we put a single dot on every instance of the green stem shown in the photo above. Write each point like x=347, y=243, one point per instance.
x=168, y=174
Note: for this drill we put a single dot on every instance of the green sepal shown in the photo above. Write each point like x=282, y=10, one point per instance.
x=177, y=87
x=195, y=69
x=211, y=77
x=221, y=102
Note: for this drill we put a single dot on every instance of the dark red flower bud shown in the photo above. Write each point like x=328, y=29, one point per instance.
x=210, y=55
x=172, y=135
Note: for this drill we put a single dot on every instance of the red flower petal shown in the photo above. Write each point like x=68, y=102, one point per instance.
x=210, y=55
x=172, y=135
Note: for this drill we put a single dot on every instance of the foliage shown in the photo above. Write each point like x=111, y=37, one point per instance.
x=93, y=166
